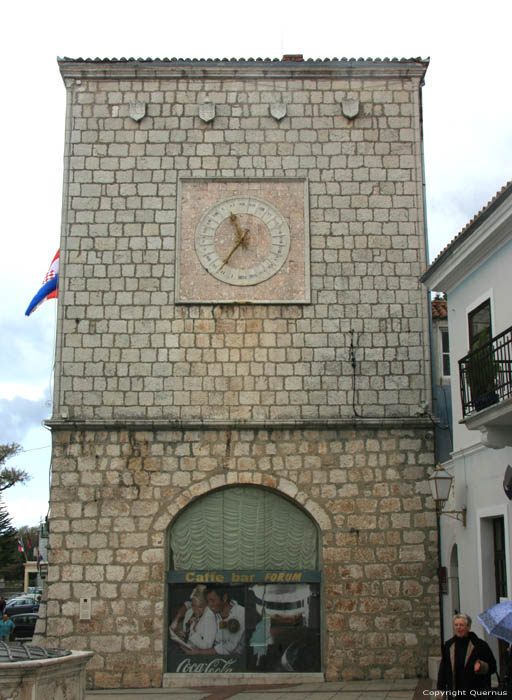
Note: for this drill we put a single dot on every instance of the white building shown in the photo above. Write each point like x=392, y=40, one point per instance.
x=441, y=380
x=475, y=272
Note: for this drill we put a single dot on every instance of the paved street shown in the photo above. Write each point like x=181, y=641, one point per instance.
x=410, y=689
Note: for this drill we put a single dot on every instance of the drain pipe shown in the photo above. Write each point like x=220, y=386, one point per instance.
x=438, y=517
x=440, y=587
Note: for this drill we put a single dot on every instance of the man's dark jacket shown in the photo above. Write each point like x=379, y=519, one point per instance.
x=477, y=649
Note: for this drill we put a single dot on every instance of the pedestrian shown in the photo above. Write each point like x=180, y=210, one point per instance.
x=6, y=628
x=505, y=684
x=467, y=662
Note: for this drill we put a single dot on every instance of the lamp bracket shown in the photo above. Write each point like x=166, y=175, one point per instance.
x=456, y=514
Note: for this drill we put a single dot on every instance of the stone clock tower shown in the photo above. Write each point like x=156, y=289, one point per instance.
x=240, y=426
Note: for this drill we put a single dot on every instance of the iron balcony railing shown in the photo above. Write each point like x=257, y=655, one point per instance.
x=486, y=374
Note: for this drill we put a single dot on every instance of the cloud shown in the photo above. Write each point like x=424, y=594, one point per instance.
x=25, y=511
x=452, y=205
x=26, y=346
x=19, y=415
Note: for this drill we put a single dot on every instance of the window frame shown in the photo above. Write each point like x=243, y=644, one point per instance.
x=475, y=337
x=444, y=354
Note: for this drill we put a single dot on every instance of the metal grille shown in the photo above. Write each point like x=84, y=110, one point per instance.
x=486, y=374
x=15, y=651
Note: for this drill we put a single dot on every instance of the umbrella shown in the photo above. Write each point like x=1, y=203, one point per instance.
x=497, y=620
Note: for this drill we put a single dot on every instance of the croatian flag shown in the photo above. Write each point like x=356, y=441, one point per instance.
x=50, y=288
x=20, y=546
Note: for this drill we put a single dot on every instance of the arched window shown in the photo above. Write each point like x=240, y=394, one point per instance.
x=244, y=585
x=244, y=527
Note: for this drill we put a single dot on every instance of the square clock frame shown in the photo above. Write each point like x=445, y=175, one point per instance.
x=243, y=241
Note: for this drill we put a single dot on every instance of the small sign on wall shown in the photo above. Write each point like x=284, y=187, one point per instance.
x=85, y=608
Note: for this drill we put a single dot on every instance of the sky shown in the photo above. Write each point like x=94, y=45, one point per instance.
x=467, y=131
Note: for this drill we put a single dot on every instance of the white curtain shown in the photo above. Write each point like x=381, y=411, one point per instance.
x=244, y=527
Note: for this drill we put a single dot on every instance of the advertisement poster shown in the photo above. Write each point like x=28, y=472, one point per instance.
x=251, y=626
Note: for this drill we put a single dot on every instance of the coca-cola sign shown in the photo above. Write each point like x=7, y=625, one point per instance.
x=246, y=626
x=213, y=666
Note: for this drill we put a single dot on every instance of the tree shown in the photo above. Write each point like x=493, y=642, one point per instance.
x=11, y=564
x=9, y=476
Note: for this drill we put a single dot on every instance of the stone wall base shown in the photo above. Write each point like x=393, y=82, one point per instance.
x=433, y=667
x=116, y=494
x=193, y=680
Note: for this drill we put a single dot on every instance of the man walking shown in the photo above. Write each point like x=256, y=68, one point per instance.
x=467, y=662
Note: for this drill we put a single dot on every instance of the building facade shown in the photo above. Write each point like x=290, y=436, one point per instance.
x=473, y=272
x=242, y=373
x=441, y=373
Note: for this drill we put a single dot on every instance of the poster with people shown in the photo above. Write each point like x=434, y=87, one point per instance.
x=224, y=628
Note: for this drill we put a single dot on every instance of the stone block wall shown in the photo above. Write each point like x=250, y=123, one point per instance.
x=114, y=494
x=126, y=350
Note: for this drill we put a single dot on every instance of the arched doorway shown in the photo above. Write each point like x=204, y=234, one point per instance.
x=243, y=585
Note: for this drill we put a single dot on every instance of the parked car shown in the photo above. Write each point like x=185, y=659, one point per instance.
x=18, y=596
x=24, y=625
x=35, y=590
x=21, y=605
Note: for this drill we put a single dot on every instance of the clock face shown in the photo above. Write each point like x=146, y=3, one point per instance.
x=242, y=240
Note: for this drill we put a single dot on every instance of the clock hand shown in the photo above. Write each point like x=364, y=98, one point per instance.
x=241, y=239
x=240, y=232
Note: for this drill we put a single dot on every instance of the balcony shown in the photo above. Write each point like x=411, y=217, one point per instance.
x=486, y=390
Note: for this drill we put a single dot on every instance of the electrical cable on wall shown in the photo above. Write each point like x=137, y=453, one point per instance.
x=352, y=360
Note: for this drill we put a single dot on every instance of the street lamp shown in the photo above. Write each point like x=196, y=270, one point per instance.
x=440, y=485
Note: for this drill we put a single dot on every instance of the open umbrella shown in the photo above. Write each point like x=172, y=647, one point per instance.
x=497, y=620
